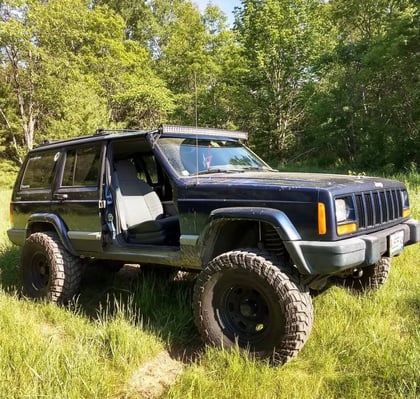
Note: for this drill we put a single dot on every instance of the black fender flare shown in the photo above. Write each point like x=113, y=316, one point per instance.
x=58, y=225
x=276, y=218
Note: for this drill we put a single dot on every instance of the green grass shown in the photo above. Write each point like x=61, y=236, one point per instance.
x=9, y=171
x=360, y=347
x=57, y=353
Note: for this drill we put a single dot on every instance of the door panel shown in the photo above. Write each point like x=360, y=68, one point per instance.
x=77, y=196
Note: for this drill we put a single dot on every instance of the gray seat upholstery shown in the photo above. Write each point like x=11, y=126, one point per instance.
x=140, y=210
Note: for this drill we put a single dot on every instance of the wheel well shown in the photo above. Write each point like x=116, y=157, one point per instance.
x=230, y=235
x=42, y=227
x=39, y=227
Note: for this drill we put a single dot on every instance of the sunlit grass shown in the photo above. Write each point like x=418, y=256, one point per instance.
x=47, y=351
x=360, y=347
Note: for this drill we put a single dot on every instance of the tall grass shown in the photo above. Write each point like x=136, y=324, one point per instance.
x=56, y=353
x=360, y=347
x=74, y=352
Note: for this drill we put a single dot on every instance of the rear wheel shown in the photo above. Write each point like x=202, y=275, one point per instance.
x=372, y=277
x=250, y=299
x=47, y=270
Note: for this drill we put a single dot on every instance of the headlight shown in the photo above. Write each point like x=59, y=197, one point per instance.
x=405, y=203
x=344, y=209
x=345, y=216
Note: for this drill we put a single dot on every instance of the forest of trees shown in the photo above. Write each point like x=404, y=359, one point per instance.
x=331, y=82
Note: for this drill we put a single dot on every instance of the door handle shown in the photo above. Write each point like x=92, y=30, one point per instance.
x=60, y=196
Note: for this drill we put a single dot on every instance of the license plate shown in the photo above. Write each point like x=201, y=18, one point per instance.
x=396, y=243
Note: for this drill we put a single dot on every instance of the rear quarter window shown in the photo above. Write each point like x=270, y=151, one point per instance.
x=40, y=170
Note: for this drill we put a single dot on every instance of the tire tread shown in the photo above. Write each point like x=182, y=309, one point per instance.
x=283, y=280
x=65, y=269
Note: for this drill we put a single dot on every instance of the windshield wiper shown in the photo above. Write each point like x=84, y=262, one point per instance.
x=264, y=168
x=219, y=170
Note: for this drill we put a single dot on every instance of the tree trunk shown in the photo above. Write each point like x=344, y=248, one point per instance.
x=26, y=112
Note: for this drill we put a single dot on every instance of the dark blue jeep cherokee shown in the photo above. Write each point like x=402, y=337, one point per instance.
x=198, y=199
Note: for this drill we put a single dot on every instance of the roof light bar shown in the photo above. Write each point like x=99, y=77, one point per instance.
x=204, y=131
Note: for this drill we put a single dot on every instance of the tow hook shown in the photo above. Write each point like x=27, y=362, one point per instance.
x=357, y=273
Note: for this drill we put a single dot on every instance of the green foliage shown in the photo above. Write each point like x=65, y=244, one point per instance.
x=9, y=171
x=66, y=65
x=328, y=82
x=366, y=110
x=280, y=43
x=142, y=106
x=81, y=111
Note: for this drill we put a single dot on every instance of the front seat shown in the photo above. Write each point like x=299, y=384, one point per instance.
x=140, y=210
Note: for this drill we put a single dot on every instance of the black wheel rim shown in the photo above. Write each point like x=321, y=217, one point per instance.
x=40, y=272
x=245, y=310
x=246, y=313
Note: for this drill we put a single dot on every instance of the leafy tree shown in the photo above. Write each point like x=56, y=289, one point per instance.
x=18, y=60
x=140, y=22
x=65, y=68
x=365, y=106
x=220, y=94
x=182, y=57
x=280, y=41
x=333, y=80
x=196, y=55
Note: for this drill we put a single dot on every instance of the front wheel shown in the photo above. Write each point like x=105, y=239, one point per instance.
x=47, y=270
x=251, y=299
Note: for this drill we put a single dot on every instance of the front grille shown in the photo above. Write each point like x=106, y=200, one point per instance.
x=375, y=208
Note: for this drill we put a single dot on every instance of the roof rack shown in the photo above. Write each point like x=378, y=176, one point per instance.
x=203, y=131
x=98, y=132
x=104, y=131
x=46, y=142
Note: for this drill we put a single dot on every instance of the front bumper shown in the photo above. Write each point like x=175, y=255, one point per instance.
x=316, y=257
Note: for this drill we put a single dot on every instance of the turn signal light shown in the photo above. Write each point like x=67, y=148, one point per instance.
x=346, y=228
x=322, y=219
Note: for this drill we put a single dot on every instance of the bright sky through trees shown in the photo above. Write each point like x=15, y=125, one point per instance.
x=226, y=6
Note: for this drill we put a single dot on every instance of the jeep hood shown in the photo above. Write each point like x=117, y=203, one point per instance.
x=296, y=180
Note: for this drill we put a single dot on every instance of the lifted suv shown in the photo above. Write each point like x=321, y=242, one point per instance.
x=199, y=199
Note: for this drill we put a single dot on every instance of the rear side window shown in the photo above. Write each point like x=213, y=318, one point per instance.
x=40, y=170
x=82, y=167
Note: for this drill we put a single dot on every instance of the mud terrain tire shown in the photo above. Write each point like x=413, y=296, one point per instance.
x=247, y=297
x=47, y=270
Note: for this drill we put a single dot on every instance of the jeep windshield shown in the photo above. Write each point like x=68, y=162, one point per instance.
x=192, y=156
